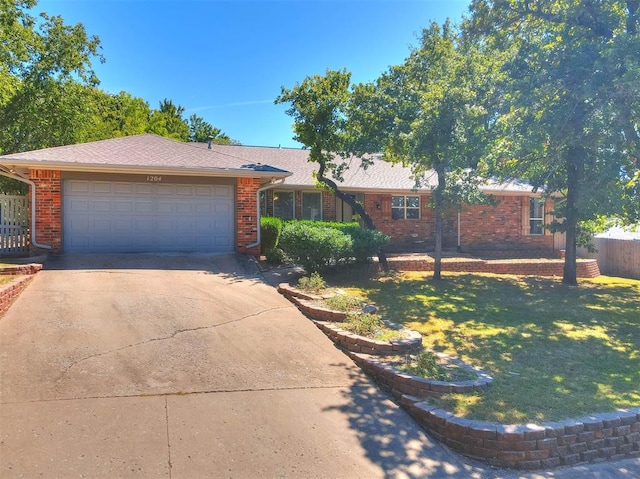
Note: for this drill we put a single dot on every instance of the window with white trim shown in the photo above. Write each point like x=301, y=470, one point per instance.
x=405, y=207
x=536, y=216
x=312, y=206
x=283, y=205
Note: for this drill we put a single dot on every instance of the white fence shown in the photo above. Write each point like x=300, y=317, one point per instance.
x=616, y=257
x=14, y=225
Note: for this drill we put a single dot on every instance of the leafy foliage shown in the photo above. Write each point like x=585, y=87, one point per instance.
x=364, y=324
x=270, y=230
x=49, y=93
x=430, y=113
x=319, y=108
x=302, y=241
x=314, y=247
x=314, y=282
x=568, y=119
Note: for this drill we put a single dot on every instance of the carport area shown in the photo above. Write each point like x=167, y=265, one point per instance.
x=188, y=366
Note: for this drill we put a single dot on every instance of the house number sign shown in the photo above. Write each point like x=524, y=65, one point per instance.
x=154, y=179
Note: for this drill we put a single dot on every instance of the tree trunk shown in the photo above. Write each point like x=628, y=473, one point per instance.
x=575, y=167
x=439, y=206
x=357, y=207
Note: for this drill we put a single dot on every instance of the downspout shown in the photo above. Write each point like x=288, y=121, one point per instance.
x=32, y=185
x=272, y=184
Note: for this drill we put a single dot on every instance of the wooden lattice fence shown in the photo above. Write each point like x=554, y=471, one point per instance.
x=14, y=225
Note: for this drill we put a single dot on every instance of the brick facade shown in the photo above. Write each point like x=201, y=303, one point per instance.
x=502, y=227
x=246, y=214
x=48, y=208
x=500, y=230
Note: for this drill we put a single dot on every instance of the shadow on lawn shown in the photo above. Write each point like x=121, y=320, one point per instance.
x=554, y=351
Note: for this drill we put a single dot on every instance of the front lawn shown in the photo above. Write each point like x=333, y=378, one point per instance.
x=554, y=351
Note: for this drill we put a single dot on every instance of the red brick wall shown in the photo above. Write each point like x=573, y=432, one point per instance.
x=328, y=206
x=48, y=208
x=10, y=292
x=246, y=214
x=500, y=228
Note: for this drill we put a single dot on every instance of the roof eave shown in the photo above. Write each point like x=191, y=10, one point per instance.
x=146, y=170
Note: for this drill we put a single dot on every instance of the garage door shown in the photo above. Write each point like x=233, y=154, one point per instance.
x=104, y=216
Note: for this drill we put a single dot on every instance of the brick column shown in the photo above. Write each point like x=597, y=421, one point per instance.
x=247, y=215
x=48, y=208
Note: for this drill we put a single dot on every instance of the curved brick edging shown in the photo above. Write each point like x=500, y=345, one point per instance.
x=10, y=291
x=610, y=436
x=31, y=268
x=359, y=344
x=399, y=383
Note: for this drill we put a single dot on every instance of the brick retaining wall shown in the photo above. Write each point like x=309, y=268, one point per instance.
x=359, y=344
x=399, y=383
x=610, y=436
x=9, y=292
x=586, y=268
x=32, y=268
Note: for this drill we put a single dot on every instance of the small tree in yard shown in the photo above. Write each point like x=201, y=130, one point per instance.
x=318, y=106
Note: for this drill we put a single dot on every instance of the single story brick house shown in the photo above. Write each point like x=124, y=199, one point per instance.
x=146, y=193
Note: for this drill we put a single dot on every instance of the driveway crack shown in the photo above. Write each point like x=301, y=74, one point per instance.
x=170, y=336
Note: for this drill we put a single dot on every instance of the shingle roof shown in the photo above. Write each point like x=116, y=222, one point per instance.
x=380, y=175
x=146, y=151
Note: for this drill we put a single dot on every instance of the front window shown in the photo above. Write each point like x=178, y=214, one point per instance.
x=405, y=207
x=536, y=216
x=312, y=206
x=283, y=205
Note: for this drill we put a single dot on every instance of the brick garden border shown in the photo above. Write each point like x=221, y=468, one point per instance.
x=10, y=291
x=31, y=268
x=586, y=268
x=599, y=437
x=399, y=383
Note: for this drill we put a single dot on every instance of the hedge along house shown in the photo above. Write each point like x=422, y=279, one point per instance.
x=142, y=193
x=512, y=227
x=146, y=193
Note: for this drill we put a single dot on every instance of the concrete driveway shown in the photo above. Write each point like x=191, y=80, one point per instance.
x=188, y=367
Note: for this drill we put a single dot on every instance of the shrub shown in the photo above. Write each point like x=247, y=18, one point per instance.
x=363, y=243
x=314, y=247
x=314, y=283
x=364, y=324
x=270, y=229
x=344, y=302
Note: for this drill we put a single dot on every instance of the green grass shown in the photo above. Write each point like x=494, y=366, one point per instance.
x=554, y=351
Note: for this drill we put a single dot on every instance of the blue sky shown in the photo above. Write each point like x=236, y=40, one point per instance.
x=227, y=60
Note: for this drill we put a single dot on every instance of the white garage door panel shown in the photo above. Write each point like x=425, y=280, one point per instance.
x=102, y=216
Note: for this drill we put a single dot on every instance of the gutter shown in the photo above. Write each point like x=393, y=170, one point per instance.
x=32, y=186
x=272, y=184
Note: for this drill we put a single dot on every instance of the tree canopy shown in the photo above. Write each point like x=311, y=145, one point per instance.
x=429, y=113
x=569, y=117
x=49, y=93
x=318, y=106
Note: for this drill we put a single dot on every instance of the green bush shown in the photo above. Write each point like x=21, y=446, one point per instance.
x=365, y=243
x=314, y=247
x=364, y=324
x=270, y=230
